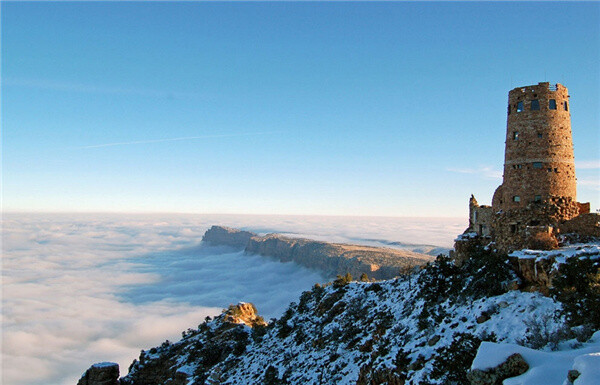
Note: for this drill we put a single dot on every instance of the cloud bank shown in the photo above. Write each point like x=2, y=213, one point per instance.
x=85, y=288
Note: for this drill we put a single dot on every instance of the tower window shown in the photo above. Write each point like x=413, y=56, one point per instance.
x=516, y=198
x=520, y=106
x=537, y=164
x=516, y=135
x=537, y=198
x=552, y=104
x=535, y=105
x=513, y=229
x=566, y=106
x=540, y=135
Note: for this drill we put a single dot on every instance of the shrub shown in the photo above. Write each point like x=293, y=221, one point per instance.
x=342, y=281
x=542, y=241
x=486, y=274
x=271, y=376
x=540, y=333
x=453, y=361
x=441, y=278
x=577, y=287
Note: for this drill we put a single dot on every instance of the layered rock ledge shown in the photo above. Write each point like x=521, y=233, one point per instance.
x=331, y=258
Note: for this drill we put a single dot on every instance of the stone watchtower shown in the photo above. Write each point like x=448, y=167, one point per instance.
x=538, y=194
x=538, y=161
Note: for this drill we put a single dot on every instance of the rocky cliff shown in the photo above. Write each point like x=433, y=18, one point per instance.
x=226, y=236
x=338, y=259
x=331, y=258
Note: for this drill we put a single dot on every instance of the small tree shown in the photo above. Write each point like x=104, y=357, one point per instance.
x=342, y=281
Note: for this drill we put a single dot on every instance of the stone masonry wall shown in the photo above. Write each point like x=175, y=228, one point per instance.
x=539, y=161
x=587, y=225
x=510, y=227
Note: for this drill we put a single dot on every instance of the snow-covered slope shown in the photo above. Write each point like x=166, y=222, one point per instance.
x=423, y=328
x=420, y=329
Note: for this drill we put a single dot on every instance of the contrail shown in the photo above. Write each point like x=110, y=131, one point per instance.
x=178, y=139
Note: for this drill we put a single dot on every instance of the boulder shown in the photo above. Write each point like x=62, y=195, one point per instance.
x=515, y=365
x=572, y=376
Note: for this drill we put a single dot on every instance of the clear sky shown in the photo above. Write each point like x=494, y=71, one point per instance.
x=395, y=109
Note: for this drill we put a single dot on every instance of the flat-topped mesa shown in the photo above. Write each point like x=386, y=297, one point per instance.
x=227, y=236
x=331, y=258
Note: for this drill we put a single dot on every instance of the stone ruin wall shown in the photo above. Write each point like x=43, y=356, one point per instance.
x=586, y=225
x=514, y=229
x=480, y=218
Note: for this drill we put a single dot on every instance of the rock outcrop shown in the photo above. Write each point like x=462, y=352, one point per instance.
x=244, y=313
x=102, y=373
x=226, y=236
x=537, y=268
x=515, y=365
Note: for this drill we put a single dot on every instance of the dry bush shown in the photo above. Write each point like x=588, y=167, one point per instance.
x=542, y=241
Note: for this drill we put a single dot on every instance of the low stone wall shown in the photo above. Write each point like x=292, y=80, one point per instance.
x=510, y=227
x=584, y=225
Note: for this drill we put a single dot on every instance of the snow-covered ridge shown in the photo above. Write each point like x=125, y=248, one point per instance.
x=423, y=328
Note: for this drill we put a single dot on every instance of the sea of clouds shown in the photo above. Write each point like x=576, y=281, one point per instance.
x=85, y=288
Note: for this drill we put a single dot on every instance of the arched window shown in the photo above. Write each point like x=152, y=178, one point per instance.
x=520, y=106
x=535, y=105
x=552, y=104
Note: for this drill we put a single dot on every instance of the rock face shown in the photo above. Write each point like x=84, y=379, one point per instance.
x=536, y=274
x=515, y=365
x=103, y=373
x=338, y=259
x=537, y=268
x=226, y=236
x=331, y=258
x=243, y=313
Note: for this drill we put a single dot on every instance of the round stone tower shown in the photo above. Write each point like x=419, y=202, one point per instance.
x=538, y=162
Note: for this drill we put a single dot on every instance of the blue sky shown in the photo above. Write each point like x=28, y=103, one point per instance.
x=394, y=109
